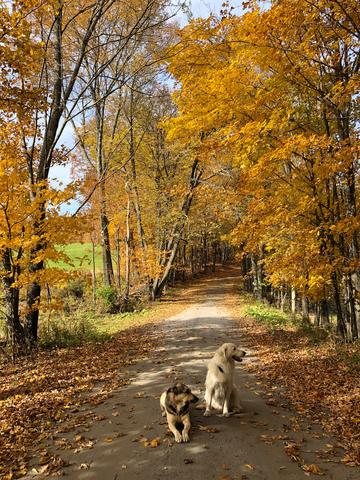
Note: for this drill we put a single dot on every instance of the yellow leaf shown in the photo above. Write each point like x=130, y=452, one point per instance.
x=155, y=443
x=312, y=468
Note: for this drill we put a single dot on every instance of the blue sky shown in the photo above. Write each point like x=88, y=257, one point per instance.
x=203, y=8
x=199, y=8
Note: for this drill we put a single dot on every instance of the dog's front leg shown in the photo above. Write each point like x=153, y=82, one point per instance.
x=174, y=430
x=208, y=400
x=187, y=425
x=226, y=404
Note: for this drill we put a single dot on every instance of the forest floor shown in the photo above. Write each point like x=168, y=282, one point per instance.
x=93, y=412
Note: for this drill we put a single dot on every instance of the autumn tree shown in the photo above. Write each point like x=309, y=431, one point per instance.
x=46, y=50
x=275, y=90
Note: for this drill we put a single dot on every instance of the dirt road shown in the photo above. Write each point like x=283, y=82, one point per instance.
x=251, y=445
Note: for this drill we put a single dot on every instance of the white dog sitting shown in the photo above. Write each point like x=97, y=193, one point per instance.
x=220, y=390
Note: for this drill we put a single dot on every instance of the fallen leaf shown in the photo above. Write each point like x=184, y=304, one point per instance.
x=312, y=468
x=99, y=418
x=140, y=395
x=208, y=429
x=155, y=443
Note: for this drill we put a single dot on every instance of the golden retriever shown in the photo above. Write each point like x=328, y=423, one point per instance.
x=220, y=390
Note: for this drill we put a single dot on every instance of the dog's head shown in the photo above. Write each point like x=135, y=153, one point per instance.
x=231, y=352
x=178, y=399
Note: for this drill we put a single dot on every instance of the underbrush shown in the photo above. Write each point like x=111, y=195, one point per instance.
x=74, y=317
x=2, y=329
x=69, y=331
x=269, y=316
x=277, y=320
x=87, y=327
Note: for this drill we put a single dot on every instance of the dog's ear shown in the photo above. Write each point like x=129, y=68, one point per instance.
x=179, y=388
x=175, y=389
x=225, y=351
x=170, y=405
x=194, y=398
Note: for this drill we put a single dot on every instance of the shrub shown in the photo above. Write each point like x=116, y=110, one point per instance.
x=75, y=289
x=109, y=298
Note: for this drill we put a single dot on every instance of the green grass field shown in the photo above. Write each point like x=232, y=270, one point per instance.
x=80, y=257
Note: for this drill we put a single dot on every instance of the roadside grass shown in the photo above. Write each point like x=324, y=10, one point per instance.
x=272, y=317
x=111, y=324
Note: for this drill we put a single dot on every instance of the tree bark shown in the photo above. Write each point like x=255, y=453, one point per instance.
x=127, y=255
x=305, y=309
x=16, y=338
x=293, y=301
x=341, y=326
x=118, y=260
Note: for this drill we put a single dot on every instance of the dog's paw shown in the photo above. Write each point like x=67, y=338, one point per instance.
x=207, y=413
x=185, y=437
x=226, y=414
x=238, y=409
x=178, y=437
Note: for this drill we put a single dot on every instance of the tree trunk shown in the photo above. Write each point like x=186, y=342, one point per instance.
x=133, y=183
x=255, y=277
x=305, y=309
x=340, y=327
x=350, y=306
x=108, y=271
x=192, y=261
x=93, y=273
x=127, y=255
x=204, y=253
x=16, y=338
x=118, y=260
x=293, y=301
x=283, y=295
x=34, y=293
x=214, y=252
